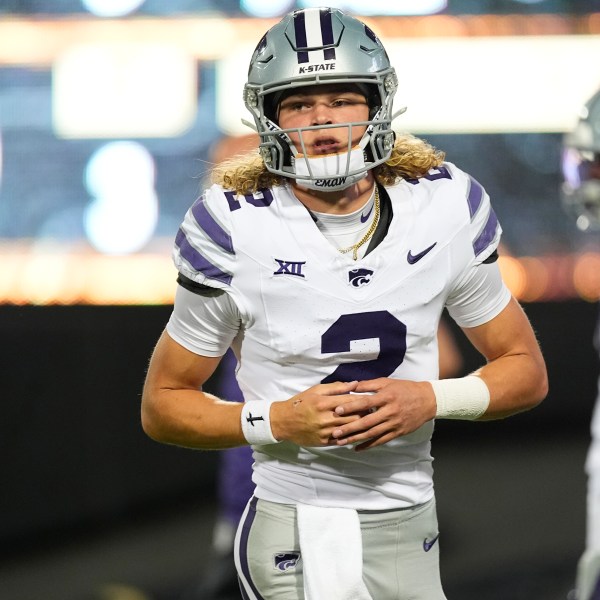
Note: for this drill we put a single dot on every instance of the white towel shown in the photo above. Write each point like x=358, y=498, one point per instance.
x=331, y=548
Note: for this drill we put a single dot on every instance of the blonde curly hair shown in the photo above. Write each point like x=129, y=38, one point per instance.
x=411, y=158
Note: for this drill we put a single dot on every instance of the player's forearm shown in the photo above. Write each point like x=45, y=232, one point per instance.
x=192, y=419
x=515, y=373
x=516, y=383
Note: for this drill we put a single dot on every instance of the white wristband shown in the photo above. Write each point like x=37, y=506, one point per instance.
x=256, y=422
x=465, y=398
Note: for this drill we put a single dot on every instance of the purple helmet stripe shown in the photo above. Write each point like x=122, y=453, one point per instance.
x=370, y=33
x=475, y=196
x=314, y=31
x=300, y=31
x=245, y=534
x=488, y=234
x=198, y=261
x=212, y=229
x=327, y=33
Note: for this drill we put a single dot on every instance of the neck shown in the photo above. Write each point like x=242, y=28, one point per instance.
x=340, y=202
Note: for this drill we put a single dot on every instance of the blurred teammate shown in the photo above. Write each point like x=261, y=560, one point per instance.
x=325, y=261
x=581, y=197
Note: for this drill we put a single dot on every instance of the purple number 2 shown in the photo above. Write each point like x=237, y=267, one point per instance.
x=379, y=324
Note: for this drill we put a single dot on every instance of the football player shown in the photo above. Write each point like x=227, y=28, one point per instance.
x=325, y=261
x=581, y=197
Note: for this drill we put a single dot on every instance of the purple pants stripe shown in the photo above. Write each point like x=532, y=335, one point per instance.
x=243, y=591
x=243, y=554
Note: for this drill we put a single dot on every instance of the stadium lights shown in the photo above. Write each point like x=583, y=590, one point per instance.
x=111, y=8
x=462, y=76
x=275, y=8
x=49, y=275
x=382, y=7
x=123, y=89
x=262, y=9
x=500, y=84
x=123, y=214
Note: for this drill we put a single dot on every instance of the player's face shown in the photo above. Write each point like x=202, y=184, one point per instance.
x=324, y=105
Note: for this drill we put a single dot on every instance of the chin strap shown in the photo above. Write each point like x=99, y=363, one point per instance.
x=330, y=172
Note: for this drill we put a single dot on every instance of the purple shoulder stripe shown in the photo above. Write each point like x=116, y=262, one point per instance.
x=199, y=262
x=212, y=229
x=475, y=196
x=487, y=235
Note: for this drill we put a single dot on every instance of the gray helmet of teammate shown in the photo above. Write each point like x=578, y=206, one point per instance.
x=320, y=46
x=581, y=167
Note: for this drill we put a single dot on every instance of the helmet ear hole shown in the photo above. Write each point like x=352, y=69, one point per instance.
x=270, y=104
x=286, y=157
x=373, y=110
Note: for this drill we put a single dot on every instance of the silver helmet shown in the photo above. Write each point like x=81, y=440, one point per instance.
x=581, y=167
x=321, y=46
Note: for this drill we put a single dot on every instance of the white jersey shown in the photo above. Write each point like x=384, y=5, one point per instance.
x=308, y=314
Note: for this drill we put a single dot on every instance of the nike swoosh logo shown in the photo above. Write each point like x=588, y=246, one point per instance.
x=364, y=218
x=413, y=258
x=428, y=544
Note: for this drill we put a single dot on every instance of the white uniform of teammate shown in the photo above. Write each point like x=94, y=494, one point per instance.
x=297, y=312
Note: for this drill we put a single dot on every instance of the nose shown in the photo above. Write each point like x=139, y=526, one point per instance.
x=321, y=114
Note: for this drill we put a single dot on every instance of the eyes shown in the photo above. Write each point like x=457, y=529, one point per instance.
x=298, y=104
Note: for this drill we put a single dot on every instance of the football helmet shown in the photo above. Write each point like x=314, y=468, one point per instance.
x=317, y=46
x=581, y=167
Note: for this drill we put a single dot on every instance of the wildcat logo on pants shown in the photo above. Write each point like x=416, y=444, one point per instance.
x=286, y=560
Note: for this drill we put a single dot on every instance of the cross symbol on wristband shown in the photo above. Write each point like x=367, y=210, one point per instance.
x=251, y=419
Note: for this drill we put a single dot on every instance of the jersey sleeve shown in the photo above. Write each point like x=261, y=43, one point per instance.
x=478, y=292
x=204, y=251
x=205, y=324
x=485, y=229
x=479, y=296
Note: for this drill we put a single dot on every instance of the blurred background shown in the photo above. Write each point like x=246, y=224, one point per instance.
x=111, y=114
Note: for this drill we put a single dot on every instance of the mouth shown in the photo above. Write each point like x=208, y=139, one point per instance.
x=326, y=146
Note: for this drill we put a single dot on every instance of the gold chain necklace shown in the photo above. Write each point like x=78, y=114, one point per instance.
x=368, y=235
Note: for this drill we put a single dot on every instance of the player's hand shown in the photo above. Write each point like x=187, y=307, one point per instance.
x=386, y=409
x=309, y=418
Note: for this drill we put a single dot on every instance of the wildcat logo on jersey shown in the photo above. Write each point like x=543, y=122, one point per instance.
x=289, y=267
x=359, y=277
x=286, y=560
